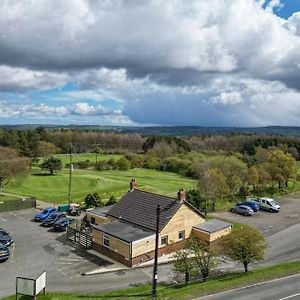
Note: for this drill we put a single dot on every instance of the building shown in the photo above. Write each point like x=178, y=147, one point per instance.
x=126, y=231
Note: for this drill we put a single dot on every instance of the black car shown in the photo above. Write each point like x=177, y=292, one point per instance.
x=4, y=253
x=62, y=224
x=52, y=218
x=5, y=238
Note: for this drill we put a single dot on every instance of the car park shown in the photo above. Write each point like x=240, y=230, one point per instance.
x=250, y=203
x=4, y=253
x=62, y=224
x=243, y=210
x=268, y=204
x=52, y=218
x=44, y=214
x=5, y=238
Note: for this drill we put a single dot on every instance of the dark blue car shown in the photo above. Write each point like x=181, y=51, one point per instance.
x=4, y=253
x=62, y=224
x=44, y=214
x=5, y=238
x=52, y=218
x=250, y=203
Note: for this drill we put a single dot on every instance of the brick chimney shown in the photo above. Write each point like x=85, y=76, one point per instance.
x=132, y=184
x=181, y=195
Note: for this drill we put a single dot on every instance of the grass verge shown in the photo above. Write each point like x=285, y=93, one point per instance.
x=212, y=285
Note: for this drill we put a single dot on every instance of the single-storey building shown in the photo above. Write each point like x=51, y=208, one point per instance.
x=126, y=231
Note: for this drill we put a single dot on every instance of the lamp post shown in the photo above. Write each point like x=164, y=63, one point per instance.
x=154, y=281
x=70, y=175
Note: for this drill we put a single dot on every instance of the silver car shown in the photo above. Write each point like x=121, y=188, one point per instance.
x=243, y=210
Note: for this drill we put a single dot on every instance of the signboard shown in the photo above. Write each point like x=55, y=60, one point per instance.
x=25, y=286
x=31, y=287
x=40, y=283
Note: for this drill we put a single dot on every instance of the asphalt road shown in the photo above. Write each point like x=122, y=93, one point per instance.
x=279, y=289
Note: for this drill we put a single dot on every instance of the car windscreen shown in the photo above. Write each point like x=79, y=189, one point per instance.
x=273, y=203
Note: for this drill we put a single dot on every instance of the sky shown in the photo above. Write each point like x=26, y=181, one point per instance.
x=154, y=62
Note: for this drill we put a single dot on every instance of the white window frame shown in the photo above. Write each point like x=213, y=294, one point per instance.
x=105, y=237
x=164, y=237
x=179, y=232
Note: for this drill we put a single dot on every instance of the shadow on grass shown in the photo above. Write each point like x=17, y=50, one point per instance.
x=41, y=174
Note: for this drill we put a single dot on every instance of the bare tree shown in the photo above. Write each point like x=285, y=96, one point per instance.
x=11, y=165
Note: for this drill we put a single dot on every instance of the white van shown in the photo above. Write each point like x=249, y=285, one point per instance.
x=268, y=204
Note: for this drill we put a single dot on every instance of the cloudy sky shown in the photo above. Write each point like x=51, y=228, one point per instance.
x=160, y=62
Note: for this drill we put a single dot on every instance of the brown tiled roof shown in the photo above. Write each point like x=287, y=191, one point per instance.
x=139, y=207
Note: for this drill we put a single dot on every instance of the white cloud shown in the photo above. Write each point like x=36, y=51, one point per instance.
x=230, y=98
x=177, y=61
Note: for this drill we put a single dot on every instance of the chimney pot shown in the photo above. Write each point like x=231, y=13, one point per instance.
x=181, y=195
x=132, y=184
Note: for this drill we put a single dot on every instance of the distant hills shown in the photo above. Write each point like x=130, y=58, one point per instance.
x=171, y=130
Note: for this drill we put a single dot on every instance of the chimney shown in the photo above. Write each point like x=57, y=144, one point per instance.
x=181, y=195
x=132, y=184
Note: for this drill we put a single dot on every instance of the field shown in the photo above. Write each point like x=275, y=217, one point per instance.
x=55, y=188
x=86, y=156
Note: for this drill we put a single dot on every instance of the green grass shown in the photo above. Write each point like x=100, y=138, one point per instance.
x=86, y=156
x=213, y=285
x=55, y=188
x=6, y=197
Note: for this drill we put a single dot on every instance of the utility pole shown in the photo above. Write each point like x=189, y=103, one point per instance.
x=70, y=174
x=154, y=280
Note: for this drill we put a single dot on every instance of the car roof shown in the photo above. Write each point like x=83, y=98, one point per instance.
x=244, y=206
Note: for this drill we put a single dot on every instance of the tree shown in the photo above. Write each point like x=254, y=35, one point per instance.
x=234, y=171
x=46, y=149
x=92, y=200
x=212, y=185
x=184, y=263
x=112, y=200
x=97, y=151
x=253, y=177
x=245, y=245
x=11, y=165
x=282, y=166
x=123, y=164
x=204, y=255
x=52, y=164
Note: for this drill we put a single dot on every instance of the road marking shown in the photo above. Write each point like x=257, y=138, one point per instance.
x=289, y=297
x=19, y=217
x=3, y=219
x=12, y=252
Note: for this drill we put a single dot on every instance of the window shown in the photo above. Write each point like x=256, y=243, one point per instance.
x=164, y=240
x=181, y=235
x=93, y=220
x=106, y=241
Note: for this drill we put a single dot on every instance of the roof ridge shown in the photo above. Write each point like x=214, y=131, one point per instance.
x=156, y=194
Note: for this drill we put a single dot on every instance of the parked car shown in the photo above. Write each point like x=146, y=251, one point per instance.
x=252, y=204
x=3, y=231
x=62, y=224
x=5, y=238
x=243, y=210
x=44, y=214
x=268, y=204
x=74, y=210
x=4, y=253
x=52, y=218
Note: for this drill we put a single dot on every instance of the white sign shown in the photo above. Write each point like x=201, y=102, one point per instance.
x=25, y=286
x=31, y=287
x=40, y=283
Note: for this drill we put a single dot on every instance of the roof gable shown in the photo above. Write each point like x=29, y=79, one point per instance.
x=139, y=207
